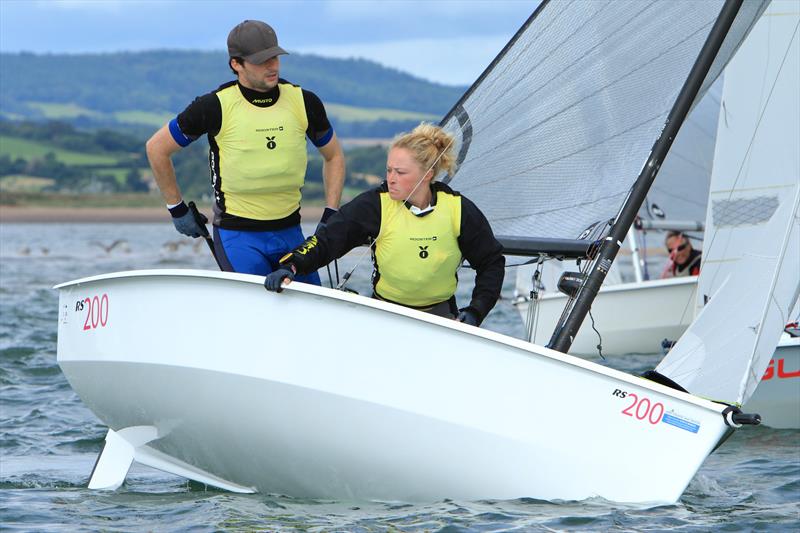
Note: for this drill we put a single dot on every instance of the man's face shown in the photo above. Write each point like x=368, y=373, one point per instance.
x=261, y=77
x=679, y=248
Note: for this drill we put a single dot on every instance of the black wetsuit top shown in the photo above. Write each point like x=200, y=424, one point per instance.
x=359, y=221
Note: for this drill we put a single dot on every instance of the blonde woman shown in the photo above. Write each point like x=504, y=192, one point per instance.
x=420, y=230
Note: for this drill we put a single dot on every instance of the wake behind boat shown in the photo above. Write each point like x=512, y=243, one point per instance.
x=408, y=407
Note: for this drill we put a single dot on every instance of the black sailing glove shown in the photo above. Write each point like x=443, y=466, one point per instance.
x=274, y=280
x=184, y=220
x=468, y=316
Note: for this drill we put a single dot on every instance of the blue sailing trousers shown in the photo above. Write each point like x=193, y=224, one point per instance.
x=258, y=252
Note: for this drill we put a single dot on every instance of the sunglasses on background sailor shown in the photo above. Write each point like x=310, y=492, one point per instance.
x=680, y=248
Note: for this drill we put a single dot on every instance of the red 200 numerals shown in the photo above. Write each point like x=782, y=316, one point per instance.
x=96, y=313
x=642, y=408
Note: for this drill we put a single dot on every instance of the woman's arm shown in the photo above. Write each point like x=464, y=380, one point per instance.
x=354, y=224
x=485, y=255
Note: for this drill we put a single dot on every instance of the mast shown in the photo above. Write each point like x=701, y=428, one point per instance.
x=562, y=337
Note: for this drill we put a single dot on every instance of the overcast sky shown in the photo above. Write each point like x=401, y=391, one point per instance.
x=448, y=41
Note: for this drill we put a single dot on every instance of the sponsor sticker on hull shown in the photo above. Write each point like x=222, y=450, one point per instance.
x=681, y=422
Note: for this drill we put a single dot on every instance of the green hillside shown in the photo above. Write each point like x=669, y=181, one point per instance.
x=57, y=158
x=146, y=88
x=77, y=124
x=347, y=113
x=15, y=147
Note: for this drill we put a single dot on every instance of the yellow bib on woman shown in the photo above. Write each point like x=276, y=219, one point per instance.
x=262, y=154
x=416, y=257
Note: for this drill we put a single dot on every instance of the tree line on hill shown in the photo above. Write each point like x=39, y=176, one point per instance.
x=165, y=81
x=132, y=168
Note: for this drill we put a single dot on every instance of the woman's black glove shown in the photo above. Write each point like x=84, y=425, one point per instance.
x=468, y=316
x=274, y=280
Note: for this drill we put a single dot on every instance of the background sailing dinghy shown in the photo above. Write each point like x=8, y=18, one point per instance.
x=416, y=407
x=632, y=318
x=777, y=398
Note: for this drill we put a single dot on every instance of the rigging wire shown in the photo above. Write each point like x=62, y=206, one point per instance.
x=599, y=337
x=532, y=318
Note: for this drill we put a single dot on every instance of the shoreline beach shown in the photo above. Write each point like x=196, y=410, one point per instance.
x=29, y=214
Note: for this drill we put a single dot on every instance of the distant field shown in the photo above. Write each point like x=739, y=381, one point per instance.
x=16, y=147
x=118, y=173
x=150, y=118
x=24, y=183
x=11, y=116
x=63, y=111
x=145, y=118
x=81, y=200
x=364, y=114
x=112, y=200
x=71, y=111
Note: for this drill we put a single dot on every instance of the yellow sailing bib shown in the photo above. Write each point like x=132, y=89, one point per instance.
x=262, y=154
x=417, y=256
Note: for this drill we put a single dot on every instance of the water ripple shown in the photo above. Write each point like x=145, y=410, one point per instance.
x=49, y=439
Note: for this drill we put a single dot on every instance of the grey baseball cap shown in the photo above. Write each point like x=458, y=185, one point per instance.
x=254, y=41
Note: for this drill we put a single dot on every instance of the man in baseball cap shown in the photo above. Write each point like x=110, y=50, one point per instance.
x=257, y=127
x=254, y=41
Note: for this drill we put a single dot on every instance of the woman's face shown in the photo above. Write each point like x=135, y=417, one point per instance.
x=402, y=174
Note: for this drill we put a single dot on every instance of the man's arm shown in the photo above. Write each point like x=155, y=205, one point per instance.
x=160, y=148
x=333, y=169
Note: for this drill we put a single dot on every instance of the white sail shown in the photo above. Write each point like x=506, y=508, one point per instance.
x=681, y=190
x=555, y=132
x=751, y=271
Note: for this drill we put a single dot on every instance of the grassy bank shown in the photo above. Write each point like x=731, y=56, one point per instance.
x=128, y=200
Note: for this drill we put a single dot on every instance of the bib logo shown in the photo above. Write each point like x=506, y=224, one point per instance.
x=423, y=252
x=271, y=143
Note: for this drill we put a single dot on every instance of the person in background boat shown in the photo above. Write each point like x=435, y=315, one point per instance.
x=257, y=127
x=420, y=230
x=683, y=259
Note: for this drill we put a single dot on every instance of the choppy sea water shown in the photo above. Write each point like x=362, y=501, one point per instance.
x=49, y=440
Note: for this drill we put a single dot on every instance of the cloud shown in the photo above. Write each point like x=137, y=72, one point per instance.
x=449, y=41
x=454, y=61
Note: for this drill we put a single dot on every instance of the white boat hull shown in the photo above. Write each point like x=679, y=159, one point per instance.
x=777, y=398
x=362, y=399
x=631, y=317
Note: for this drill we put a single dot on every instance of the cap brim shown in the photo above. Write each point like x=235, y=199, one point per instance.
x=263, y=55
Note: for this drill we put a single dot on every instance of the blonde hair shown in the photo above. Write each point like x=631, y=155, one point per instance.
x=426, y=143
